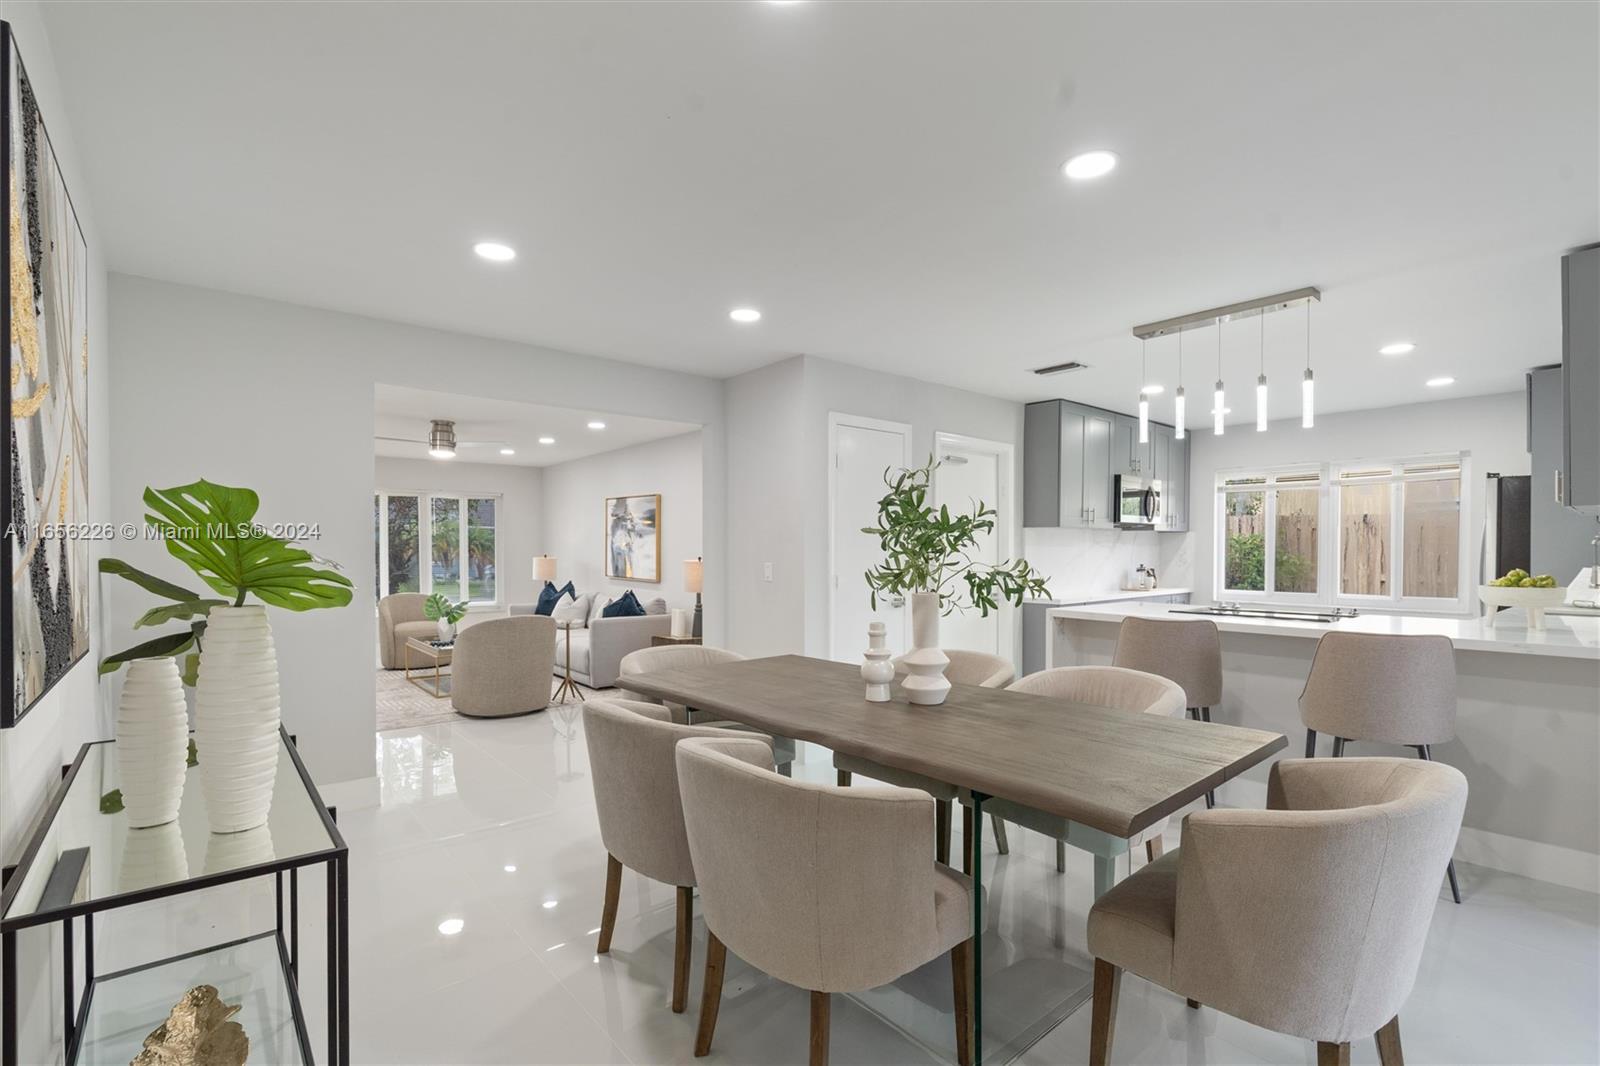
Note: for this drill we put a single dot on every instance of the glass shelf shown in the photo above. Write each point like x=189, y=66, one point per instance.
x=126, y=1007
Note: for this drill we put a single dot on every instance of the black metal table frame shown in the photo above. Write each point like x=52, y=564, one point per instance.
x=76, y=1006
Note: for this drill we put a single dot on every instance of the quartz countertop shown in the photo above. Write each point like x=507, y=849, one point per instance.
x=1563, y=636
x=1114, y=596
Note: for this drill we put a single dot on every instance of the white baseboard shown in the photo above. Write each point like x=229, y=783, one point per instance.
x=1530, y=858
x=355, y=795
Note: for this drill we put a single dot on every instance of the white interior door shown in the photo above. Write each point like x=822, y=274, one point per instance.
x=969, y=471
x=862, y=449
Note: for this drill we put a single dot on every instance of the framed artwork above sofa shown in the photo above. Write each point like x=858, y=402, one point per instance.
x=633, y=537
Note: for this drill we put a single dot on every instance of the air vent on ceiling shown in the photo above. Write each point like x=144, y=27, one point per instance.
x=1060, y=368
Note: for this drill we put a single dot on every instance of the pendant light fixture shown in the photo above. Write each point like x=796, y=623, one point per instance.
x=1144, y=401
x=1261, y=381
x=1177, y=415
x=1308, y=384
x=1217, y=399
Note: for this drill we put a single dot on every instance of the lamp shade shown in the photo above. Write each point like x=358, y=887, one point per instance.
x=544, y=568
x=694, y=575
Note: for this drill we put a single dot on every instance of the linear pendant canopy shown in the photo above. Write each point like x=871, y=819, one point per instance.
x=1230, y=313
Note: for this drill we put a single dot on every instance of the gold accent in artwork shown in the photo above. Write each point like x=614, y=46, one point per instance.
x=197, y=1032
x=633, y=537
x=66, y=487
x=24, y=329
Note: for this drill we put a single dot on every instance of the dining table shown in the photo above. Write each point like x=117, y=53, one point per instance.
x=1109, y=771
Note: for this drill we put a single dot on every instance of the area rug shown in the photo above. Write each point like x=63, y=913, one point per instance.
x=402, y=705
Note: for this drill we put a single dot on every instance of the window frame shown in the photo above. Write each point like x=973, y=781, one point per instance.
x=1330, y=533
x=425, y=546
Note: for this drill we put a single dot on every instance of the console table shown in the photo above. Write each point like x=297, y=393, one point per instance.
x=80, y=862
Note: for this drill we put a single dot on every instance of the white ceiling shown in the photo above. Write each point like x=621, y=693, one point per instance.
x=881, y=180
x=492, y=424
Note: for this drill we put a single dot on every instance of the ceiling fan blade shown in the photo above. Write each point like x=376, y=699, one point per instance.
x=400, y=440
x=481, y=444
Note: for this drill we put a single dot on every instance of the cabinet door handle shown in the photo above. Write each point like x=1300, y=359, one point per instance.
x=1560, y=496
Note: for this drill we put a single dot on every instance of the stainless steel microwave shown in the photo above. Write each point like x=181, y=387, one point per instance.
x=1138, y=501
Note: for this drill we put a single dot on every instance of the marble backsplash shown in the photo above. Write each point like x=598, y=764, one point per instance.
x=1086, y=562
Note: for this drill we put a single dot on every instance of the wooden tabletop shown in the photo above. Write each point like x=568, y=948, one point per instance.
x=1112, y=770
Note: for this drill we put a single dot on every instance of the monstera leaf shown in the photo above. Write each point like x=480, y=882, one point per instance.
x=212, y=528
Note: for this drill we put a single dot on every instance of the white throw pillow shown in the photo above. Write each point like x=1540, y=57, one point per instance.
x=575, y=611
x=655, y=606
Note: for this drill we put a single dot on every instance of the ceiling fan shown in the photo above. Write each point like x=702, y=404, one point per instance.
x=441, y=441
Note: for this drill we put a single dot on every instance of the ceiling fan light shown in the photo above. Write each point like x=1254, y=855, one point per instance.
x=442, y=438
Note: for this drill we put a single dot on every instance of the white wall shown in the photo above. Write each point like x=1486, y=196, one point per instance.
x=517, y=519
x=280, y=398
x=32, y=753
x=1491, y=429
x=573, y=528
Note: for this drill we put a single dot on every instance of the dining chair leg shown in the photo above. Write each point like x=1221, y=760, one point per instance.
x=967, y=841
x=1107, y=983
x=1000, y=842
x=941, y=829
x=710, y=993
x=1061, y=856
x=785, y=769
x=1311, y=743
x=821, y=1004
x=1389, y=1053
x=1338, y=747
x=683, y=949
x=608, y=912
x=960, y=966
x=1152, y=849
x=1205, y=714
x=1426, y=751
x=1194, y=713
x=844, y=778
x=1330, y=1054
x=1105, y=874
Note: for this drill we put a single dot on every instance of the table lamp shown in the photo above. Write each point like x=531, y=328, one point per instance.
x=544, y=569
x=694, y=581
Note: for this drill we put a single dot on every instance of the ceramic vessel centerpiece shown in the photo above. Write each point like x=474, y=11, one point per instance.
x=877, y=667
x=226, y=648
x=927, y=555
x=152, y=742
x=445, y=614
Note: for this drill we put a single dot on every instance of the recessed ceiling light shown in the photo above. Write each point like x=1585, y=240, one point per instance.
x=597, y=425
x=495, y=252
x=1096, y=164
x=547, y=440
x=510, y=868
x=745, y=315
x=1152, y=390
x=508, y=451
x=1439, y=383
x=1398, y=348
x=549, y=904
x=452, y=926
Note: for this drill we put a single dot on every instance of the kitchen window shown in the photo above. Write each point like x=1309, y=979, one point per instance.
x=1376, y=534
x=422, y=544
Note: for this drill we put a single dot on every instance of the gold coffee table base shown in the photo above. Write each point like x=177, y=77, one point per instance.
x=437, y=686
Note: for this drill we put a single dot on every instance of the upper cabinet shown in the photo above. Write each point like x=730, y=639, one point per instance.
x=1579, y=472
x=1072, y=454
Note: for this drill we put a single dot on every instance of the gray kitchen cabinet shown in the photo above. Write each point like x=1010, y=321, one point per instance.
x=1098, y=462
x=1580, y=381
x=1175, y=483
x=1066, y=465
x=1558, y=537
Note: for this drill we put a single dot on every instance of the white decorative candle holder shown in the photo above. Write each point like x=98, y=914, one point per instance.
x=152, y=742
x=877, y=670
x=925, y=682
x=236, y=718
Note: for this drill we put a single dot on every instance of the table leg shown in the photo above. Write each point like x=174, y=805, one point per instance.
x=1105, y=874
x=974, y=843
x=8, y=995
x=332, y=965
x=344, y=960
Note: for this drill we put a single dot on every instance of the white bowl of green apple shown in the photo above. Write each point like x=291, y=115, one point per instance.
x=1532, y=592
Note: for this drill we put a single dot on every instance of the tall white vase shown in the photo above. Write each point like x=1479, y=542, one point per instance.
x=925, y=664
x=152, y=742
x=236, y=718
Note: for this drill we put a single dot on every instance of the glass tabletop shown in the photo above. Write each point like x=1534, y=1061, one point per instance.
x=122, y=861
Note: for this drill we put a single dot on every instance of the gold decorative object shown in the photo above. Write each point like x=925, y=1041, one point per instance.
x=197, y=1033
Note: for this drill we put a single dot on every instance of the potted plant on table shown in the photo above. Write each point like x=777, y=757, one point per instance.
x=438, y=609
x=927, y=555
x=228, y=651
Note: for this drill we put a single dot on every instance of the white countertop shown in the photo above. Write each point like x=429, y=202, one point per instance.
x=1115, y=596
x=1563, y=636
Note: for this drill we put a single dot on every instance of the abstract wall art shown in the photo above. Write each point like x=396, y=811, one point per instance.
x=44, y=606
x=633, y=538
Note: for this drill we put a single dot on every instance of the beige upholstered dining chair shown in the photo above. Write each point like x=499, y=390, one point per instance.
x=501, y=667
x=830, y=889
x=1308, y=918
x=399, y=619
x=682, y=656
x=1102, y=686
x=1187, y=652
x=641, y=815
x=977, y=668
x=1383, y=689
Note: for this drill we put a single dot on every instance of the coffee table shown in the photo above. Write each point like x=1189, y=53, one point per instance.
x=434, y=653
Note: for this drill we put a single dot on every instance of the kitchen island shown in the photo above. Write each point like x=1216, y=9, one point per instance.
x=1528, y=725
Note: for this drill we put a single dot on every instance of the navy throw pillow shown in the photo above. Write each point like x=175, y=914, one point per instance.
x=550, y=596
x=626, y=605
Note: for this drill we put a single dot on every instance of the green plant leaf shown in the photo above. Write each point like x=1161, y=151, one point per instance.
x=148, y=582
x=111, y=802
x=174, y=612
x=168, y=644
x=194, y=754
x=191, y=670
x=210, y=528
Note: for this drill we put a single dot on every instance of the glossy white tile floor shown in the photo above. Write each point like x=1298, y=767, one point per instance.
x=491, y=825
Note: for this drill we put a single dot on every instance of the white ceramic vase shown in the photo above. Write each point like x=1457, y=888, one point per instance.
x=236, y=718
x=151, y=857
x=877, y=669
x=447, y=629
x=152, y=742
x=925, y=664
x=234, y=851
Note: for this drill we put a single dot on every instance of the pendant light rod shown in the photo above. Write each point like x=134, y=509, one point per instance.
x=1178, y=412
x=1261, y=382
x=1199, y=319
x=1144, y=400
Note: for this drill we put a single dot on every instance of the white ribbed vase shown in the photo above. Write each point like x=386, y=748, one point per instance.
x=925, y=664
x=152, y=742
x=151, y=857
x=236, y=716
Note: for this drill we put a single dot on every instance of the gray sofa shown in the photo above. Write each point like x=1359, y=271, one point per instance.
x=598, y=647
